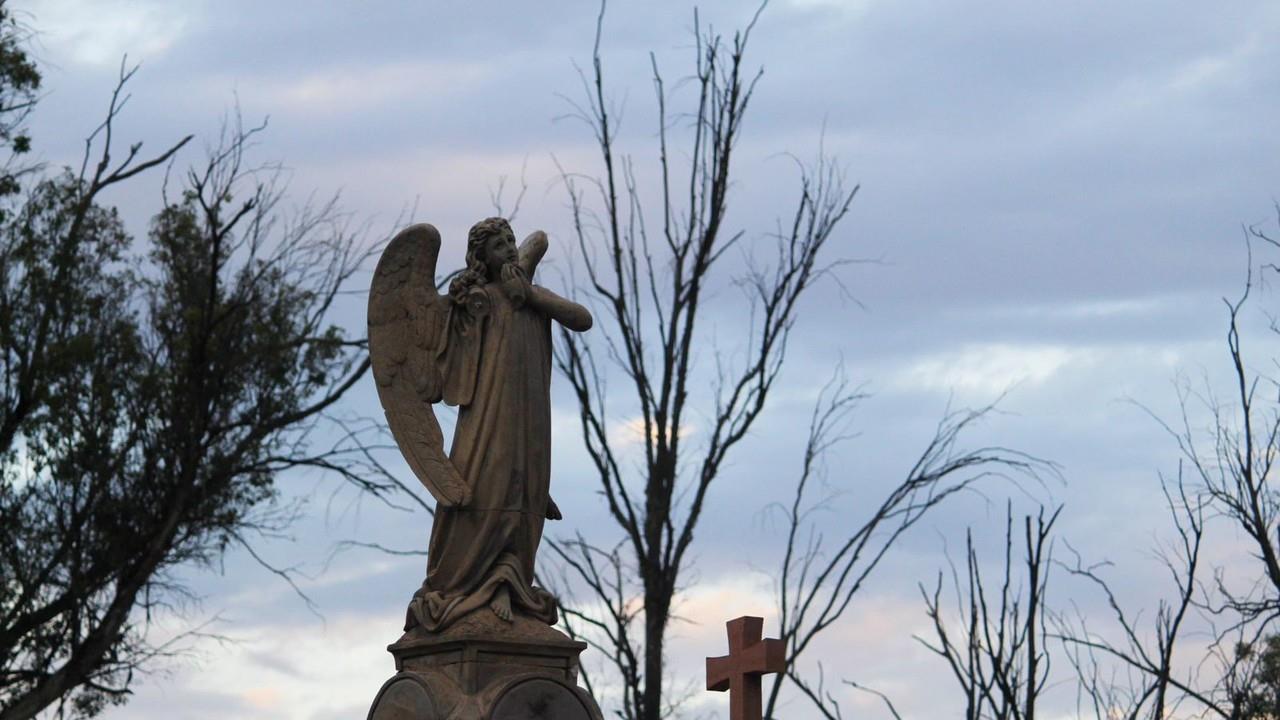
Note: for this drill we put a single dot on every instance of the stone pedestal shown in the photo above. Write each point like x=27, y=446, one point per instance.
x=482, y=668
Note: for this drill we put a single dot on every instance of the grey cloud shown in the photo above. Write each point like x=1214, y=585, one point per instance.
x=1069, y=176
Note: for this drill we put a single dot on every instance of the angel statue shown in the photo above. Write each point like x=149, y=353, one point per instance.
x=485, y=348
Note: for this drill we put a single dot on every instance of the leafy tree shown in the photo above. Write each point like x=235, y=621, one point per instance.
x=149, y=401
x=19, y=83
x=1260, y=698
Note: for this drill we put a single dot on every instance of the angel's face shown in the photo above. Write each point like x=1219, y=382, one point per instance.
x=499, y=250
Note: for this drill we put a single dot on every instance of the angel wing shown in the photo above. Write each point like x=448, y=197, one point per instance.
x=531, y=252
x=408, y=331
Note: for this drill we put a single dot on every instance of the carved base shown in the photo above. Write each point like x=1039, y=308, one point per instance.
x=482, y=668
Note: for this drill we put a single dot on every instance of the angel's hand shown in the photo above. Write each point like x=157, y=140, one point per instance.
x=553, y=510
x=462, y=499
x=516, y=284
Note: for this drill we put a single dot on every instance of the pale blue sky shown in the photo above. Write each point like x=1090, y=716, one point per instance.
x=1054, y=192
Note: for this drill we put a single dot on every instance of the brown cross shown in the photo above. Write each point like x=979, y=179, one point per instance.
x=739, y=672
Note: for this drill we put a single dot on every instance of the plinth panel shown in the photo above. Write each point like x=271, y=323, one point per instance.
x=403, y=698
x=539, y=699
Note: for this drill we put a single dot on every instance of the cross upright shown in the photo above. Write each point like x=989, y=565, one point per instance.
x=739, y=672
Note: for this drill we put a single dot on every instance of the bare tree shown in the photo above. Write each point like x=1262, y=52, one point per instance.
x=649, y=276
x=818, y=580
x=1226, y=473
x=998, y=655
x=1150, y=682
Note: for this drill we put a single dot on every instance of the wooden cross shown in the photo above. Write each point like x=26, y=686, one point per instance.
x=739, y=672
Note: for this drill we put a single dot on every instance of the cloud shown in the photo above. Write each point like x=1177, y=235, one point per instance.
x=1219, y=68
x=340, y=664
x=101, y=32
x=630, y=432
x=363, y=90
x=263, y=698
x=1089, y=309
x=847, y=8
x=1055, y=196
x=991, y=368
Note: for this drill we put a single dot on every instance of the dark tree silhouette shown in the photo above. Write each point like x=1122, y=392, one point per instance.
x=1225, y=488
x=150, y=400
x=649, y=272
x=19, y=84
x=998, y=655
x=819, y=579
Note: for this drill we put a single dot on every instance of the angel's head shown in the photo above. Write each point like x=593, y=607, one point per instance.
x=491, y=247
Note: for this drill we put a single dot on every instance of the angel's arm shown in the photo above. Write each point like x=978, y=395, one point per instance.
x=566, y=312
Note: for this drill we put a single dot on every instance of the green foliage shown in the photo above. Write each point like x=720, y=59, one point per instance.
x=1259, y=699
x=150, y=397
x=19, y=83
x=72, y=348
x=19, y=77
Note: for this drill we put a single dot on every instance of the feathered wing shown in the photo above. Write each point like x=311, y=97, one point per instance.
x=531, y=252
x=408, y=333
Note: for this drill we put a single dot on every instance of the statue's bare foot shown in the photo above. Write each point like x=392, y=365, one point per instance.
x=501, y=603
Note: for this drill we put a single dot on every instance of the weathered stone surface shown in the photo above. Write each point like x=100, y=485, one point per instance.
x=478, y=641
x=540, y=700
x=474, y=671
x=485, y=347
x=484, y=625
x=480, y=651
x=404, y=698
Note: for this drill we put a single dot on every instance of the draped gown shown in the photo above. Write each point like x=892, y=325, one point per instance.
x=502, y=450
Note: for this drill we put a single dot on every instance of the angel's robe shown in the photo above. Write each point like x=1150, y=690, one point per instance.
x=499, y=373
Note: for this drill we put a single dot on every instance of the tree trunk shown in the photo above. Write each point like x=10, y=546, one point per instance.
x=657, y=606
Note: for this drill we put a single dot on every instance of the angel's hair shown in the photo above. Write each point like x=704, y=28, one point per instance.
x=477, y=270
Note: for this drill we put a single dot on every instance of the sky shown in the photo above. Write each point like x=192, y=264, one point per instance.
x=1052, y=206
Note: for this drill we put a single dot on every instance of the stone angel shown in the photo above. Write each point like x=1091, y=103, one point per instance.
x=485, y=347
